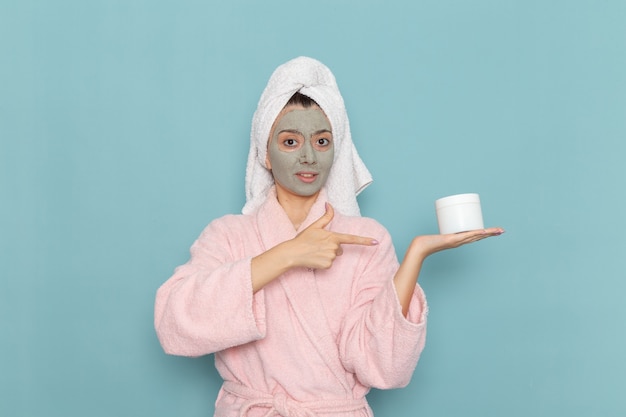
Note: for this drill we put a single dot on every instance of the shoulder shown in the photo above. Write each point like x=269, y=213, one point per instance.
x=224, y=235
x=230, y=224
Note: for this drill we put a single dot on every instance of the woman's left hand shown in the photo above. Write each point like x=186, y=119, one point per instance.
x=424, y=246
x=428, y=244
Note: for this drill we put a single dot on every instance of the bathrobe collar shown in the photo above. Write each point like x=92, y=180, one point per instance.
x=274, y=224
x=299, y=284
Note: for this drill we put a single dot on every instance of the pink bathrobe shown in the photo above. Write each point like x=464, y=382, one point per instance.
x=312, y=342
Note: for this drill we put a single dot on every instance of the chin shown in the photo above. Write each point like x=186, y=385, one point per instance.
x=305, y=191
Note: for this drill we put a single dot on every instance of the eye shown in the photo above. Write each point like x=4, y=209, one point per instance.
x=290, y=142
x=322, y=143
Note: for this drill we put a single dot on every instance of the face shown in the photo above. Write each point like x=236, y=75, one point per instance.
x=300, y=151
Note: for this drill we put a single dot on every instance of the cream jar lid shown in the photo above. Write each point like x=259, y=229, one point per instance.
x=457, y=199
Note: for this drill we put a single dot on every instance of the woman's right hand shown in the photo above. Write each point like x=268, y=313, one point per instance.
x=314, y=247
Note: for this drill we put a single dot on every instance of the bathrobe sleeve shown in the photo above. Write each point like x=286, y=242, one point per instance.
x=377, y=343
x=208, y=304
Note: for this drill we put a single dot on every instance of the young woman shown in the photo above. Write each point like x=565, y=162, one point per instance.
x=302, y=300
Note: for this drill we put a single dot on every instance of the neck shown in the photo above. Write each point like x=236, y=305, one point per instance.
x=297, y=207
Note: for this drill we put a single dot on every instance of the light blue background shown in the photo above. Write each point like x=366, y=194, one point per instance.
x=124, y=130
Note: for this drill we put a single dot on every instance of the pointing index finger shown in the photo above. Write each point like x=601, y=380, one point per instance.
x=344, y=238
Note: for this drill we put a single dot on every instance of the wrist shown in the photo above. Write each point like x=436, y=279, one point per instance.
x=418, y=250
x=283, y=256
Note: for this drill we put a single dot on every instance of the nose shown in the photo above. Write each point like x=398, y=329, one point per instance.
x=307, y=154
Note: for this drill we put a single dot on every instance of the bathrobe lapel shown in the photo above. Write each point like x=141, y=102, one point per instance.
x=299, y=284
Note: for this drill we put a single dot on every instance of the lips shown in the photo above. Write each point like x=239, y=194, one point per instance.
x=307, y=177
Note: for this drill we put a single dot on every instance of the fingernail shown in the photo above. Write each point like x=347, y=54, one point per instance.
x=374, y=242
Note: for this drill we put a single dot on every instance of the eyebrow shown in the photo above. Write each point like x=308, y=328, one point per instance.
x=291, y=131
x=318, y=132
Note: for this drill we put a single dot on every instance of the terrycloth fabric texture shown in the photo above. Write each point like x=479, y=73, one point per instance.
x=310, y=334
x=282, y=405
x=348, y=176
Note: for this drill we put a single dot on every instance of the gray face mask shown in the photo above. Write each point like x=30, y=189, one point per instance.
x=301, y=151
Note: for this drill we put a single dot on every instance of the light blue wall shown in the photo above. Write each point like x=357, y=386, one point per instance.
x=124, y=130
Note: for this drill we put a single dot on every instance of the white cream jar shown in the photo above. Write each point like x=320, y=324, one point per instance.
x=459, y=213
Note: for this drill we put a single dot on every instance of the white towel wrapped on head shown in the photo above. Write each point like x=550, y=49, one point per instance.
x=348, y=175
